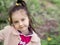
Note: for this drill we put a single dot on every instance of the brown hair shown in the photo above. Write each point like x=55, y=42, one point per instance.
x=22, y=5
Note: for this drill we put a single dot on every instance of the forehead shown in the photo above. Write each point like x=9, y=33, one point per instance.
x=19, y=14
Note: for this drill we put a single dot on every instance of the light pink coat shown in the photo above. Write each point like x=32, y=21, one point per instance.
x=10, y=36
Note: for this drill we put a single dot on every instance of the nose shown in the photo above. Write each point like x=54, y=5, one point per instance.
x=20, y=23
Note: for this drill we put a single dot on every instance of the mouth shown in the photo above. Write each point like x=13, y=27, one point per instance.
x=20, y=27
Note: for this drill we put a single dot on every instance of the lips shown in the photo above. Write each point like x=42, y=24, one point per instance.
x=20, y=27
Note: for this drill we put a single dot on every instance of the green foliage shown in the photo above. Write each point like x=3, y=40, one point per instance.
x=57, y=2
x=4, y=6
x=33, y=5
x=44, y=42
x=1, y=43
x=54, y=41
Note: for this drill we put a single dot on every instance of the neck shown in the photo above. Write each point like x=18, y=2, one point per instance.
x=25, y=32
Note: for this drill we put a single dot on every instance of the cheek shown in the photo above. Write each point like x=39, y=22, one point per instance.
x=16, y=26
x=26, y=22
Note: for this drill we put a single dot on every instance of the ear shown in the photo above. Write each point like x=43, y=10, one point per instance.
x=9, y=19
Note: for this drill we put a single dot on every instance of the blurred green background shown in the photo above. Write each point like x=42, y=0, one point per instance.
x=45, y=15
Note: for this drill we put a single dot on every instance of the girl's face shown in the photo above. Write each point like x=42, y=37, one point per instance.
x=20, y=20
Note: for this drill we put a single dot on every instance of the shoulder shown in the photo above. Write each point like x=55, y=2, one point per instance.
x=35, y=34
x=35, y=37
x=6, y=29
x=5, y=32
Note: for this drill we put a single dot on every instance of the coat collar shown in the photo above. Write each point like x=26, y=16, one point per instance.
x=35, y=38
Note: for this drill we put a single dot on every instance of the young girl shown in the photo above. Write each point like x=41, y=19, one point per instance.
x=20, y=31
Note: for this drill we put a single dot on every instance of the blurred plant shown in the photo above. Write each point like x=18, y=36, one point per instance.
x=49, y=38
x=34, y=7
x=4, y=6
